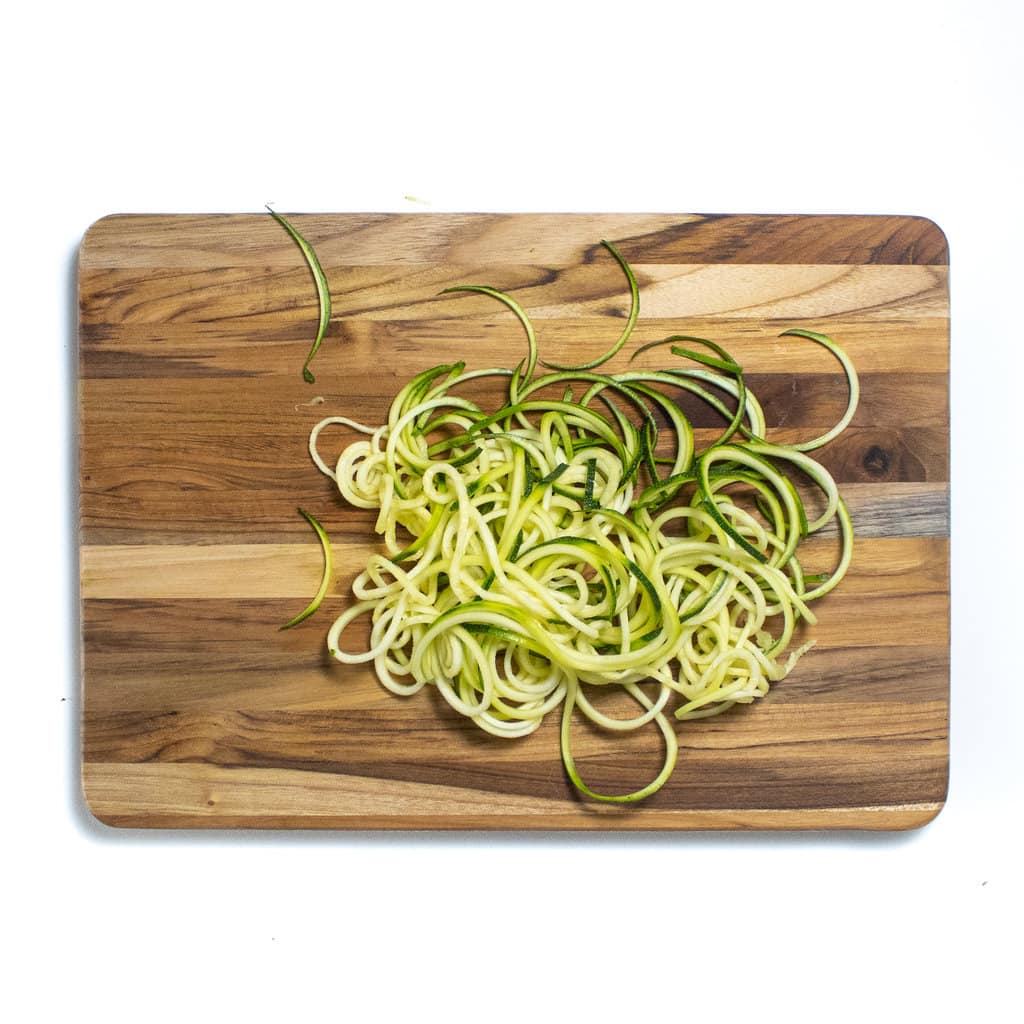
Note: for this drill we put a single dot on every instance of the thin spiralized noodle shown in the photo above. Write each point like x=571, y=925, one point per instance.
x=534, y=553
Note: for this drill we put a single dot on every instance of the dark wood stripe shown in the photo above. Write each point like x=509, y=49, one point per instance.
x=752, y=239
x=806, y=400
x=886, y=510
x=242, y=348
x=190, y=478
x=228, y=653
x=732, y=760
x=301, y=677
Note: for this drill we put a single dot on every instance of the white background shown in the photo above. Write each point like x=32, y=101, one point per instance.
x=724, y=107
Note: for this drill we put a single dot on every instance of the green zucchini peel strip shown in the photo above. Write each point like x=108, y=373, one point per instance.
x=325, y=580
x=323, y=292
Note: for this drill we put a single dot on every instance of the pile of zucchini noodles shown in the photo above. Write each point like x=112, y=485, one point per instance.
x=575, y=538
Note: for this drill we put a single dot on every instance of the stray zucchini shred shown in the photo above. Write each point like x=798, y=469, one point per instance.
x=328, y=571
x=323, y=292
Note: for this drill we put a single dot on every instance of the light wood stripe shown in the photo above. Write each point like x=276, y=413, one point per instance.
x=201, y=796
x=567, y=238
x=398, y=292
x=888, y=566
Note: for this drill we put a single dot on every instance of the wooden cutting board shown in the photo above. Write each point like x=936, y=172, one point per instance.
x=198, y=712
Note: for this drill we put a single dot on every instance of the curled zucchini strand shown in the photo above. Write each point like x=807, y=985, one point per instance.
x=556, y=548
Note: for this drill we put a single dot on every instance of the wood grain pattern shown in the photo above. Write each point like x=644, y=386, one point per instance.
x=193, y=427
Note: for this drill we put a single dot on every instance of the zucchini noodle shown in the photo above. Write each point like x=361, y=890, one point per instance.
x=323, y=292
x=325, y=580
x=576, y=538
